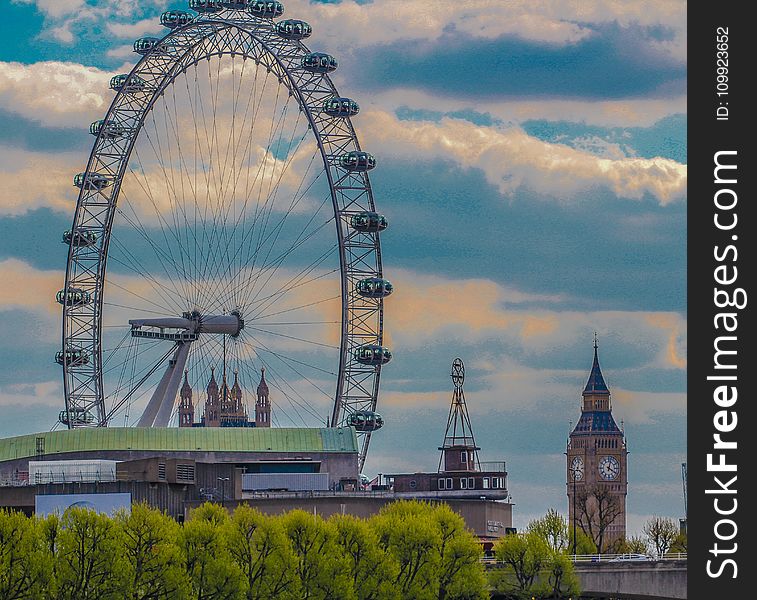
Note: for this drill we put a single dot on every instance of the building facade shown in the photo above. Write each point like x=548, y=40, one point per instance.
x=597, y=466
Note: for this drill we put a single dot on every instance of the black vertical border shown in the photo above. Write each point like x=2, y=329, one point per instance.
x=706, y=136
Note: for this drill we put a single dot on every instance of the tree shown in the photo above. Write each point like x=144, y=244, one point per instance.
x=680, y=544
x=407, y=532
x=661, y=532
x=524, y=556
x=559, y=579
x=88, y=559
x=212, y=573
x=596, y=510
x=372, y=568
x=260, y=548
x=24, y=568
x=634, y=545
x=553, y=529
x=322, y=569
x=153, y=556
x=461, y=573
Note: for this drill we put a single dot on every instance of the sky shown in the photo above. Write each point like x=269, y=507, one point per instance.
x=532, y=166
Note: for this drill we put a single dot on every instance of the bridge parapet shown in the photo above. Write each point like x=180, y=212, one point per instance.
x=634, y=579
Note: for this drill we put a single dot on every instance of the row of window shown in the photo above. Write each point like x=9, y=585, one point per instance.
x=469, y=483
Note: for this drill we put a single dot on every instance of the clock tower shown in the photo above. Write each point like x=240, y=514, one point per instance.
x=596, y=474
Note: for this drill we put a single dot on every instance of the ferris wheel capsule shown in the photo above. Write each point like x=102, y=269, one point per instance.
x=73, y=357
x=76, y=416
x=365, y=420
x=357, y=161
x=109, y=130
x=205, y=6
x=341, y=107
x=265, y=9
x=74, y=297
x=145, y=45
x=234, y=4
x=292, y=29
x=370, y=354
x=79, y=238
x=368, y=222
x=374, y=287
x=91, y=181
x=319, y=62
x=127, y=85
x=176, y=18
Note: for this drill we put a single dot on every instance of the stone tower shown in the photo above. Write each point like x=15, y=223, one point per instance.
x=186, y=408
x=212, y=403
x=596, y=473
x=263, y=403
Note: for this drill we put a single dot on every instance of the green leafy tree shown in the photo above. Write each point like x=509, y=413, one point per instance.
x=88, y=557
x=155, y=567
x=553, y=529
x=212, y=573
x=372, y=568
x=49, y=529
x=407, y=531
x=24, y=568
x=661, y=533
x=524, y=556
x=461, y=574
x=260, y=548
x=634, y=545
x=680, y=544
x=558, y=578
x=584, y=544
x=322, y=568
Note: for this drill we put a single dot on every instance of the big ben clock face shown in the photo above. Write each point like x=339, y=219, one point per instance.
x=609, y=468
x=577, y=468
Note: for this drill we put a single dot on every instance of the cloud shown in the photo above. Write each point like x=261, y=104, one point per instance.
x=510, y=158
x=135, y=30
x=54, y=93
x=28, y=289
x=351, y=24
x=48, y=394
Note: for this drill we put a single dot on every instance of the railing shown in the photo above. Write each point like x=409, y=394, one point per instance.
x=595, y=558
x=605, y=558
x=494, y=466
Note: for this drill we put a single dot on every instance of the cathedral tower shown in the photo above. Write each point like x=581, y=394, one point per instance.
x=597, y=475
x=263, y=403
x=212, y=403
x=186, y=408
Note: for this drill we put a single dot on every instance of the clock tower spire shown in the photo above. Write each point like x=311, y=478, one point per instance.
x=597, y=476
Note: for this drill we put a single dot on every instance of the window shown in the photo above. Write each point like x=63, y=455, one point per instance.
x=471, y=483
x=463, y=483
x=441, y=484
x=495, y=482
x=464, y=457
x=486, y=483
x=161, y=470
x=449, y=483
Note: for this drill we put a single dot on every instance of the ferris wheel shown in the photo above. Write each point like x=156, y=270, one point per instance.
x=218, y=177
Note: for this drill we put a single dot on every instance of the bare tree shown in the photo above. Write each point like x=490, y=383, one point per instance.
x=596, y=510
x=661, y=533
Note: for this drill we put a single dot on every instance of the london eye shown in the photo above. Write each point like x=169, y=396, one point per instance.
x=225, y=220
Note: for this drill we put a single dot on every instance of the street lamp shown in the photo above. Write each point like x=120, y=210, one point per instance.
x=223, y=481
x=574, y=472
